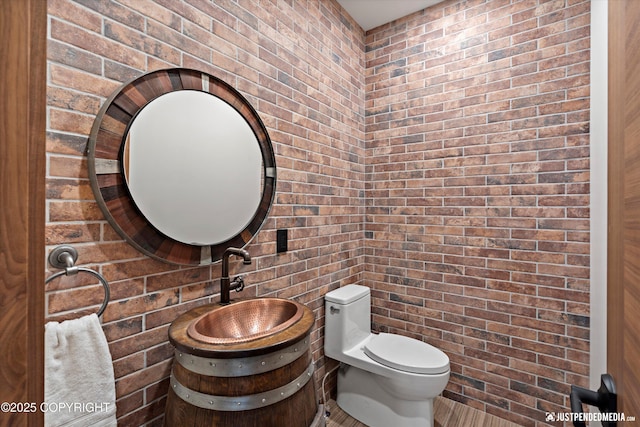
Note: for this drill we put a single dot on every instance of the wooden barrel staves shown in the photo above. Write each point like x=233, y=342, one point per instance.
x=272, y=389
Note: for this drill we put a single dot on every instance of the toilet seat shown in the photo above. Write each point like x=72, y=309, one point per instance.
x=406, y=354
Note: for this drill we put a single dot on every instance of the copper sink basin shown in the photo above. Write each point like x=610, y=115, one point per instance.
x=245, y=320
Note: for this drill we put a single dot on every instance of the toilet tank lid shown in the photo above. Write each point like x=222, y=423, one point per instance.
x=347, y=294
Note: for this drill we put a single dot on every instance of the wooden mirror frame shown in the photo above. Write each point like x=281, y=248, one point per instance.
x=106, y=144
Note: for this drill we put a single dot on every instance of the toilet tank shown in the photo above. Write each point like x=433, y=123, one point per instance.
x=347, y=319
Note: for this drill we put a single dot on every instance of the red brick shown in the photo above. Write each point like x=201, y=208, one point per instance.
x=442, y=160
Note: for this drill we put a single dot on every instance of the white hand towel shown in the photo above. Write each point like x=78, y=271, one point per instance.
x=79, y=385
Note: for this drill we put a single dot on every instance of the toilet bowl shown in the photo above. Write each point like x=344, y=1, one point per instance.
x=384, y=379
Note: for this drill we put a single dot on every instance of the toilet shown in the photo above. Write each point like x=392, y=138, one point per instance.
x=384, y=380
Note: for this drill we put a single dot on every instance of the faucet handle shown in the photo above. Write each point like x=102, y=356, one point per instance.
x=237, y=283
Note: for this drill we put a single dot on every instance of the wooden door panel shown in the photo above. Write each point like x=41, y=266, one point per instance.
x=23, y=25
x=623, y=266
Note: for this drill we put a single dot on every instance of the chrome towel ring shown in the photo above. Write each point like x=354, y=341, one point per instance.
x=65, y=257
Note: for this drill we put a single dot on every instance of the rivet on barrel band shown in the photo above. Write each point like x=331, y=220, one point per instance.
x=241, y=403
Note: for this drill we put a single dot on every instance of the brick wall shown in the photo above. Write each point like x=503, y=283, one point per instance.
x=441, y=160
x=477, y=193
x=301, y=65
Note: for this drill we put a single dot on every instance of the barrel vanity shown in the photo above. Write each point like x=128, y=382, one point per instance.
x=245, y=364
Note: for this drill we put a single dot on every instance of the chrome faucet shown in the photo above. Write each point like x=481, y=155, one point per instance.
x=225, y=282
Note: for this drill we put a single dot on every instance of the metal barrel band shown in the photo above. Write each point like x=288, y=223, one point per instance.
x=241, y=403
x=242, y=366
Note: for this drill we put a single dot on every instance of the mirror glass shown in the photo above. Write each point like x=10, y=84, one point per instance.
x=182, y=166
x=199, y=189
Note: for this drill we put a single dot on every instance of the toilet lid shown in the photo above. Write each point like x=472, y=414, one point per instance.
x=406, y=354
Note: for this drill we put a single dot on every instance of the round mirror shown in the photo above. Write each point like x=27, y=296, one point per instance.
x=182, y=166
x=213, y=177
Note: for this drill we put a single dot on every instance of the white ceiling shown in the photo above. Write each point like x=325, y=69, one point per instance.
x=373, y=13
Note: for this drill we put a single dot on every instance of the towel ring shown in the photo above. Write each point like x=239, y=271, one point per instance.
x=65, y=257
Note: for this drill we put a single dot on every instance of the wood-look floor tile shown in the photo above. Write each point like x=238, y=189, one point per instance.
x=447, y=413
